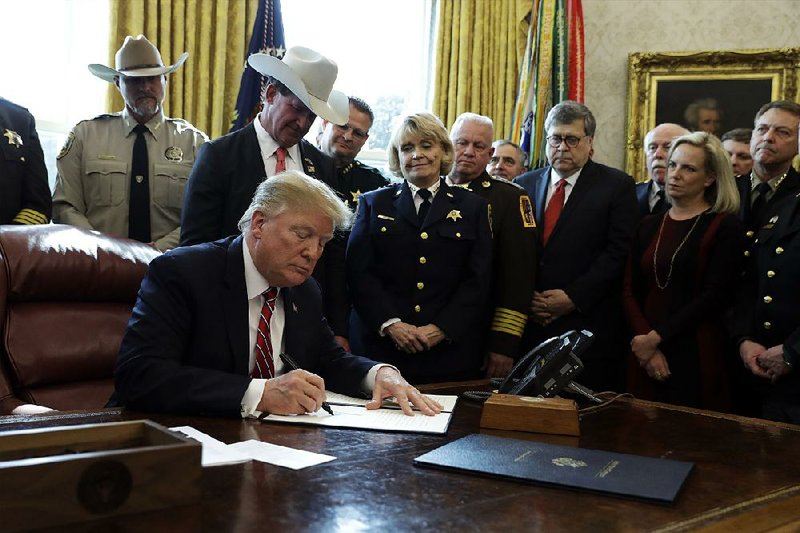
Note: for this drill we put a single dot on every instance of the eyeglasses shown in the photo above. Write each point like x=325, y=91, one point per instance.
x=357, y=133
x=571, y=140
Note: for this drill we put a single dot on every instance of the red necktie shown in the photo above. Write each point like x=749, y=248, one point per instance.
x=553, y=210
x=265, y=367
x=280, y=156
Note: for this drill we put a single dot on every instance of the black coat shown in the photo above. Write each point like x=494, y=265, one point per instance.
x=25, y=196
x=224, y=178
x=186, y=349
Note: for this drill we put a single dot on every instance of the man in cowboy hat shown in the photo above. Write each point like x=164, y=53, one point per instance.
x=124, y=173
x=228, y=169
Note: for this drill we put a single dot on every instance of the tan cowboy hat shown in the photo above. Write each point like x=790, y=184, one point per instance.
x=310, y=76
x=136, y=58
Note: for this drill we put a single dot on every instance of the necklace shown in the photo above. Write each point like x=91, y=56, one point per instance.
x=678, y=249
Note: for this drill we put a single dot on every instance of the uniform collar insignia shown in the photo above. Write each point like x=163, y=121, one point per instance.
x=773, y=220
x=356, y=194
x=13, y=138
x=455, y=214
x=310, y=167
x=486, y=184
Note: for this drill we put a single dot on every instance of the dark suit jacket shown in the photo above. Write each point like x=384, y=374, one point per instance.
x=220, y=188
x=24, y=192
x=587, y=250
x=186, y=349
x=436, y=273
x=787, y=189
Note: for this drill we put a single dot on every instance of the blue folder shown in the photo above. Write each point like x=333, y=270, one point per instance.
x=620, y=474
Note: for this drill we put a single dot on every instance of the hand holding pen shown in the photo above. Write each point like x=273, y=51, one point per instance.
x=295, y=392
x=292, y=365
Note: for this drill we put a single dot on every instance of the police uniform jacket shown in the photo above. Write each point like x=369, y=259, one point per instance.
x=767, y=312
x=435, y=273
x=94, y=166
x=24, y=191
x=514, y=263
x=358, y=178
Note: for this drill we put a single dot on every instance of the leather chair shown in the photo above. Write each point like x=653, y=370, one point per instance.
x=66, y=295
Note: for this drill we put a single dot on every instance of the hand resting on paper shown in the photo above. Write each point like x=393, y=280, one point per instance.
x=389, y=383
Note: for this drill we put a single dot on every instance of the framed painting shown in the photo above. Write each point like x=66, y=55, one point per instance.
x=712, y=91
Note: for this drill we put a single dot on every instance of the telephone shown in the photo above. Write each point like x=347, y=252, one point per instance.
x=549, y=367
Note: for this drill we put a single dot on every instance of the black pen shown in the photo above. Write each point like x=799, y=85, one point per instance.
x=289, y=362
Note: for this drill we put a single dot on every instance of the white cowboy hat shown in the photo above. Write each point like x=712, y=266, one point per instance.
x=136, y=58
x=310, y=76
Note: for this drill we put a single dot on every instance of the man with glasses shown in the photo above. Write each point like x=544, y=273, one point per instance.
x=343, y=143
x=513, y=237
x=587, y=214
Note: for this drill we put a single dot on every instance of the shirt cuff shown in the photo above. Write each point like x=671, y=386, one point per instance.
x=368, y=383
x=387, y=324
x=251, y=398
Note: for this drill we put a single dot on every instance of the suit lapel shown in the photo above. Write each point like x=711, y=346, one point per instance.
x=235, y=307
x=541, y=195
x=404, y=205
x=442, y=205
x=292, y=326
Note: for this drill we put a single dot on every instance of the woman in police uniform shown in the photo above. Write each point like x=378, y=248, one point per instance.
x=419, y=262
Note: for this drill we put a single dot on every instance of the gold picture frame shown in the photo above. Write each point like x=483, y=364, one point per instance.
x=742, y=80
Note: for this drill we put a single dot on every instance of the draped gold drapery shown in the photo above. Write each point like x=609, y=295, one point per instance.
x=214, y=32
x=479, y=49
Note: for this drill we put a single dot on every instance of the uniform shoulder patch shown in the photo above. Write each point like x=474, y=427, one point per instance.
x=507, y=183
x=67, y=145
x=526, y=211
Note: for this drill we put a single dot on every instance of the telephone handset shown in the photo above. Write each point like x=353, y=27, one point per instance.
x=549, y=367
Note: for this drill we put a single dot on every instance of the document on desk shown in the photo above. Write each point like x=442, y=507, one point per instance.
x=350, y=413
x=217, y=453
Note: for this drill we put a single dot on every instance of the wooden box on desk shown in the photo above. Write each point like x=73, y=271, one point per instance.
x=66, y=474
x=525, y=413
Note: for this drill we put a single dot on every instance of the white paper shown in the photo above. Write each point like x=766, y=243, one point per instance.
x=378, y=419
x=447, y=402
x=280, y=455
x=215, y=452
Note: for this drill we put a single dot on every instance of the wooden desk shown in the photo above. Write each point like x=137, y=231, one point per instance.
x=747, y=478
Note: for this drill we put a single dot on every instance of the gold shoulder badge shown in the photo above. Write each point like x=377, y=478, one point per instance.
x=13, y=138
x=310, y=170
x=67, y=145
x=526, y=210
x=454, y=215
x=173, y=153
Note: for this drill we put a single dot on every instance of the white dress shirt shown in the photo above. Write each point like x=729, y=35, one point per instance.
x=268, y=147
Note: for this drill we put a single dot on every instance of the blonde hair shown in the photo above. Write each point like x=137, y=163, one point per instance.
x=722, y=194
x=425, y=126
x=294, y=191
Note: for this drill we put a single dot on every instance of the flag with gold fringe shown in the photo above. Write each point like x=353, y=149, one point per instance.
x=552, y=71
x=267, y=38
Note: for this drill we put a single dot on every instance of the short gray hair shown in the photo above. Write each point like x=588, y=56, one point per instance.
x=568, y=112
x=294, y=191
x=474, y=118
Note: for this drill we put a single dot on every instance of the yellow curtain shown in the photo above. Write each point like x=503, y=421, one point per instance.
x=479, y=49
x=214, y=32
